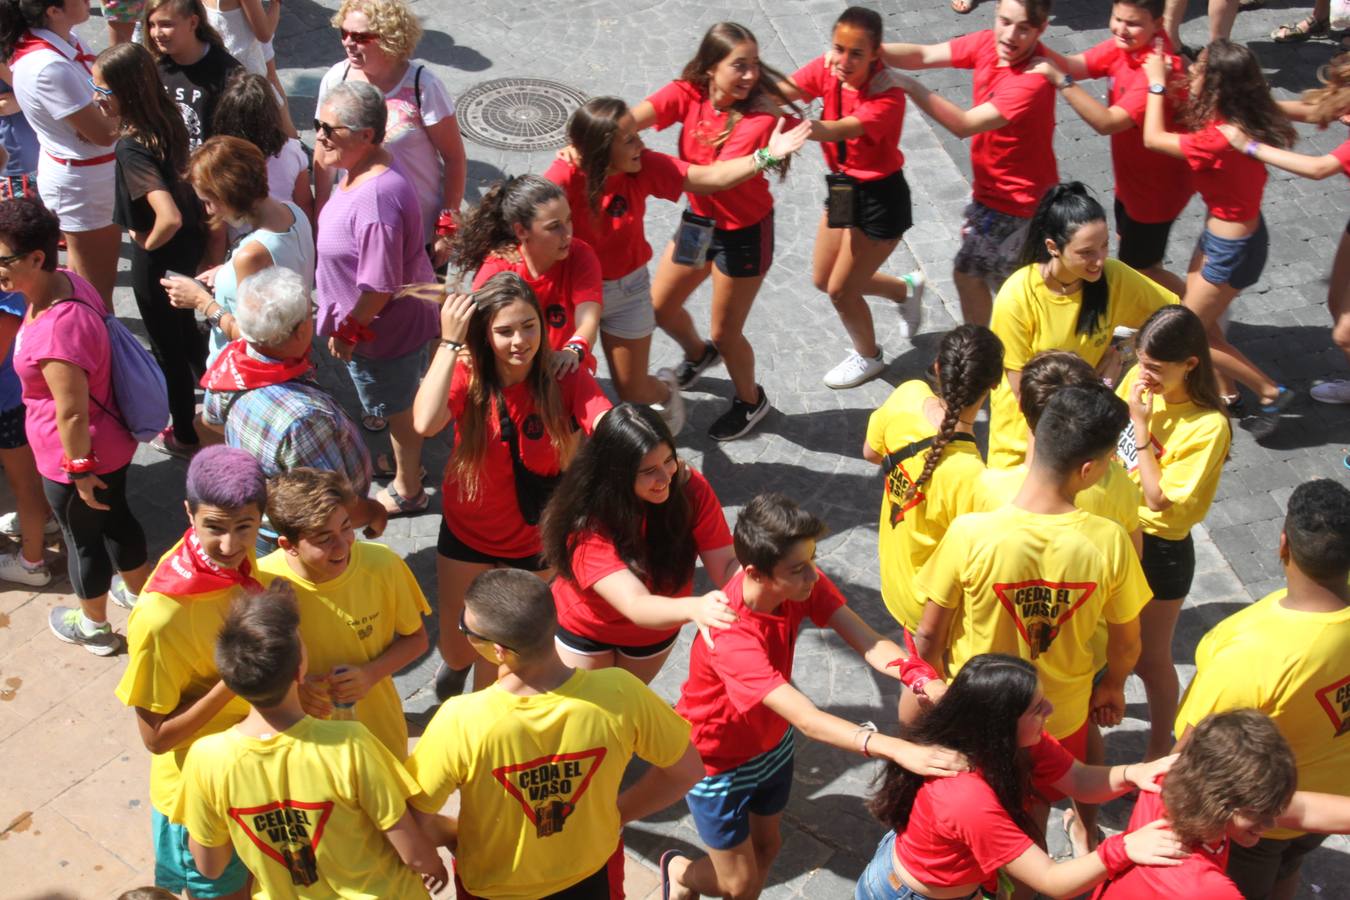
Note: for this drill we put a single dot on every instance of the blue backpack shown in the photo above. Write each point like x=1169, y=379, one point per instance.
x=137, y=381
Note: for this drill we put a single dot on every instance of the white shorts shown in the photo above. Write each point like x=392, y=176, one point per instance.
x=627, y=312
x=81, y=196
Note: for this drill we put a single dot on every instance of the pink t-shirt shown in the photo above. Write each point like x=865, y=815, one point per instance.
x=72, y=333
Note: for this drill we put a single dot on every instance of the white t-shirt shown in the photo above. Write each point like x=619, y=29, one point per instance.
x=50, y=86
x=284, y=168
x=405, y=134
x=240, y=41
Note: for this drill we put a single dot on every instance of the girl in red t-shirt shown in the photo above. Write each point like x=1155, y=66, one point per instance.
x=951, y=835
x=726, y=109
x=608, y=175
x=515, y=431
x=859, y=132
x=623, y=531
x=524, y=225
x=1226, y=85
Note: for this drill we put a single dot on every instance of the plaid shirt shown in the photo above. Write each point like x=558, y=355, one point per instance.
x=292, y=424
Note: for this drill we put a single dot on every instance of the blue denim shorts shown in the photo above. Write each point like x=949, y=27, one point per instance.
x=175, y=871
x=386, y=387
x=879, y=881
x=722, y=804
x=1236, y=263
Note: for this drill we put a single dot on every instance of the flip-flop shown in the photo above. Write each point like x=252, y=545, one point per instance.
x=374, y=424
x=405, y=506
x=666, y=859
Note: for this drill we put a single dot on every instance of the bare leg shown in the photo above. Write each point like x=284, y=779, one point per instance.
x=1338, y=296
x=731, y=302
x=733, y=873
x=1209, y=301
x=646, y=668
x=1173, y=12
x=1083, y=829
x=1170, y=280
x=977, y=301
x=452, y=580
x=93, y=256
x=407, y=447
x=628, y=359
x=1222, y=14
x=1157, y=623
x=671, y=286
x=852, y=274
x=22, y=474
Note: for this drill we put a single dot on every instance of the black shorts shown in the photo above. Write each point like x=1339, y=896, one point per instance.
x=743, y=252
x=1143, y=245
x=1256, y=870
x=883, y=209
x=12, y=435
x=585, y=646
x=1169, y=566
x=451, y=547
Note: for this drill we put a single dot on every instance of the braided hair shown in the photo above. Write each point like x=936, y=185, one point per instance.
x=969, y=364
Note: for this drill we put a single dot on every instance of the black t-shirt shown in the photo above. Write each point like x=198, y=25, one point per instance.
x=196, y=88
x=138, y=173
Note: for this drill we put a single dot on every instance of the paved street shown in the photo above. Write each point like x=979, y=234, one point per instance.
x=73, y=801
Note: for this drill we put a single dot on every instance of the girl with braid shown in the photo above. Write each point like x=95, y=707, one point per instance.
x=925, y=443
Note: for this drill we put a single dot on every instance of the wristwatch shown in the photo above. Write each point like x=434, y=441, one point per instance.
x=1067, y=83
x=1159, y=89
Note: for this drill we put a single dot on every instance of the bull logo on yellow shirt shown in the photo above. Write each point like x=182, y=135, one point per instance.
x=287, y=831
x=1040, y=608
x=897, y=487
x=1335, y=700
x=550, y=787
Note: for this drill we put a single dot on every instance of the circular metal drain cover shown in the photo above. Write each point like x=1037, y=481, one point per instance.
x=517, y=113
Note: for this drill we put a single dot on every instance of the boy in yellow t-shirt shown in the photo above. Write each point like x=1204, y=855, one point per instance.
x=1288, y=656
x=360, y=606
x=315, y=809
x=171, y=679
x=538, y=756
x=1034, y=578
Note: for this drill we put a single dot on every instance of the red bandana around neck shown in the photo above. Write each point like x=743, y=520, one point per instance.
x=30, y=43
x=190, y=571
x=236, y=370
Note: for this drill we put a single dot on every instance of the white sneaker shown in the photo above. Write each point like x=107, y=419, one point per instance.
x=854, y=370
x=673, y=409
x=15, y=569
x=911, y=310
x=9, y=526
x=1337, y=391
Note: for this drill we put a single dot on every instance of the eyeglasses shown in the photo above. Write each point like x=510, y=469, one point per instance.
x=7, y=261
x=106, y=92
x=358, y=37
x=472, y=635
x=325, y=131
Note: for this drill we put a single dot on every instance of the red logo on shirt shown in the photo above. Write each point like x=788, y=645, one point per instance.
x=897, y=486
x=287, y=831
x=549, y=788
x=1040, y=608
x=1335, y=699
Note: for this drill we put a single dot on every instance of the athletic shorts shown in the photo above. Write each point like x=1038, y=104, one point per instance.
x=627, y=312
x=1142, y=245
x=1169, y=566
x=883, y=211
x=1256, y=870
x=1236, y=263
x=743, y=252
x=584, y=646
x=604, y=884
x=451, y=547
x=991, y=242
x=175, y=871
x=722, y=804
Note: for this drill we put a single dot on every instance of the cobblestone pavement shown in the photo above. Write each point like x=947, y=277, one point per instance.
x=73, y=761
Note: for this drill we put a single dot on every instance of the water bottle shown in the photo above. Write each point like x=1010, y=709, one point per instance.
x=342, y=712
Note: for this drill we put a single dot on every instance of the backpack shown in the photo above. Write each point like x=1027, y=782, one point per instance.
x=138, y=383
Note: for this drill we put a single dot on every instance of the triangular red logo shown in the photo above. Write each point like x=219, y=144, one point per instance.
x=289, y=832
x=550, y=787
x=1040, y=608
x=1335, y=699
x=897, y=486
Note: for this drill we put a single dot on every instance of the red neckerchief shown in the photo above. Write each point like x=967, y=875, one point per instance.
x=31, y=43
x=236, y=370
x=190, y=571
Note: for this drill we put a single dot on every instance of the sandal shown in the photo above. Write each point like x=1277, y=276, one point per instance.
x=374, y=424
x=382, y=467
x=1300, y=31
x=403, y=506
x=666, y=859
x=963, y=6
x=1249, y=5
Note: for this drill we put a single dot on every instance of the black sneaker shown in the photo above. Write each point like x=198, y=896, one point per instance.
x=740, y=419
x=687, y=372
x=450, y=682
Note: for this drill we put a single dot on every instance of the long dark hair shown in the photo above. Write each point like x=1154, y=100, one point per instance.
x=655, y=540
x=1063, y=209
x=16, y=17
x=978, y=717
x=1174, y=334
x=591, y=132
x=247, y=109
x=489, y=227
x=204, y=31
x=969, y=364
x=1233, y=88
x=149, y=116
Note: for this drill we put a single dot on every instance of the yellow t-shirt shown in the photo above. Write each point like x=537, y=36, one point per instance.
x=1294, y=667
x=1191, y=443
x=538, y=776
x=910, y=529
x=1114, y=497
x=305, y=810
x=353, y=619
x=1036, y=586
x=1028, y=317
x=171, y=658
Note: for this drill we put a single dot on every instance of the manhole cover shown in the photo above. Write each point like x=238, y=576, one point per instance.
x=517, y=113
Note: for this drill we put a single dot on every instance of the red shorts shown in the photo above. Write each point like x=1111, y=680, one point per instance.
x=605, y=884
x=1076, y=744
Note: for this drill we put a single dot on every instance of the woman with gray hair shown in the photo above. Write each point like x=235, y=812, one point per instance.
x=369, y=246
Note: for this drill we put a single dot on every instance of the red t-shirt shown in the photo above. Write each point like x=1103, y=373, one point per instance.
x=958, y=832
x=723, y=696
x=1230, y=181
x=1342, y=154
x=747, y=203
x=567, y=284
x=582, y=611
x=879, y=106
x=491, y=522
x=616, y=232
x=1153, y=187
x=1200, y=877
x=1015, y=164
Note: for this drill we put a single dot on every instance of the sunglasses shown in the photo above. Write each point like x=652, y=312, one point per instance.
x=472, y=635
x=325, y=131
x=106, y=92
x=7, y=261
x=358, y=37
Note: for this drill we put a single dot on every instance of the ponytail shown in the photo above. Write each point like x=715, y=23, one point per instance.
x=491, y=225
x=1062, y=211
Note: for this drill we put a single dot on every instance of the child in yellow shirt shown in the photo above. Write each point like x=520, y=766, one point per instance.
x=925, y=444
x=1174, y=450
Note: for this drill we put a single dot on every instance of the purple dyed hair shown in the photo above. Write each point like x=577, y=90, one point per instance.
x=226, y=477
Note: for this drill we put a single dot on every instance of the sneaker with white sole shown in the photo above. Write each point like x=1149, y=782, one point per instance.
x=15, y=568
x=1337, y=391
x=120, y=594
x=689, y=370
x=9, y=526
x=911, y=308
x=740, y=419
x=68, y=625
x=673, y=409
x=854, y=370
